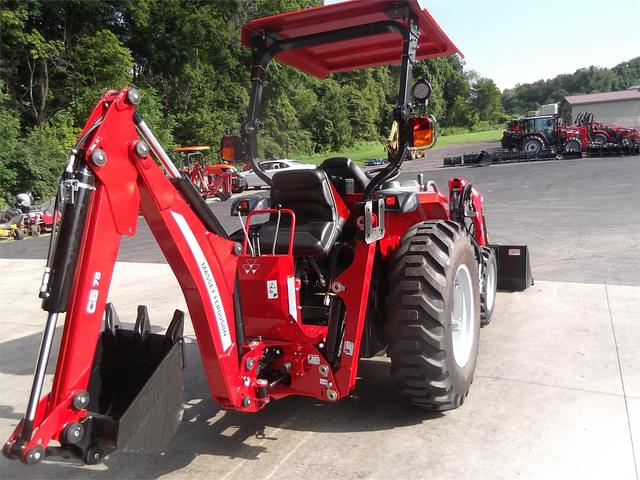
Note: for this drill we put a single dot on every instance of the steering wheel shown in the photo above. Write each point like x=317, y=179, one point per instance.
x=375, y=171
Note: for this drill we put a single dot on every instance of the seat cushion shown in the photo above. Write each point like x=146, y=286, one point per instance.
x=341, y=168
x=309, y=195
x=309, y=240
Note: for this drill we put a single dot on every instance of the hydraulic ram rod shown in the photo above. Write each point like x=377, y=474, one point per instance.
x=38, y=376
x=153, y=142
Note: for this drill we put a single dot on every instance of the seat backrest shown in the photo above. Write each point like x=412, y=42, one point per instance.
x=343, y=167
x=306, y=192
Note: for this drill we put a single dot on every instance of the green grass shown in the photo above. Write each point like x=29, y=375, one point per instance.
x=368, y=150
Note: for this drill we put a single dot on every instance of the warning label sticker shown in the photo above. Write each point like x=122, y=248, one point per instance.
x=272, y=289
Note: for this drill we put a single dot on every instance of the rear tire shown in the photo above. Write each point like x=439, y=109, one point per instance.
x=434, y=324
x=532, y=145
x=489, y=285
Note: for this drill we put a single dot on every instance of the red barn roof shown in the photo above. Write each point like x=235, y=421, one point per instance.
x=356, y=53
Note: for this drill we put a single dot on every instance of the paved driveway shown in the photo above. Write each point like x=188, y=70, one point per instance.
x=557, y=387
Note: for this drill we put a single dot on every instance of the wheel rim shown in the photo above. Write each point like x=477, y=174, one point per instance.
x=462, y=324
x=532, y=147
x=491, y=285
x=572, y=146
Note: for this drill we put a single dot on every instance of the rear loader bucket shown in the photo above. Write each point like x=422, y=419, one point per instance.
x=136, y=388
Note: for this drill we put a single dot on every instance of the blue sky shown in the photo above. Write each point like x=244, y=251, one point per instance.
x=522, y=41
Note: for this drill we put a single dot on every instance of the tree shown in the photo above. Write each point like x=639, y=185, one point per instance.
x=9, y=146
x=97, y=63
x=486, y=100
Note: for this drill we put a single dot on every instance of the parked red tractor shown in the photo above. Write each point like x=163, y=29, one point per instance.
x=602, y=134
x=542, y=133
x=347, y=266
x=211, y=179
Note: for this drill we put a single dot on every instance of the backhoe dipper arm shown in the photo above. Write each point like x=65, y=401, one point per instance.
x=114, y=176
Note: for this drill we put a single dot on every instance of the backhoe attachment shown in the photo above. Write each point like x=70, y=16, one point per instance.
x=134, y=398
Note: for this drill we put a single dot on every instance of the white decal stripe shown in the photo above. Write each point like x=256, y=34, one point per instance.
x=209, y=281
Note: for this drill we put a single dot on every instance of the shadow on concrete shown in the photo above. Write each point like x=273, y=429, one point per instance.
x=19, y=355
x=208, y=430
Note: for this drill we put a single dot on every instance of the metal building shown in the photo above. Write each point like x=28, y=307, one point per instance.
x=622, y=107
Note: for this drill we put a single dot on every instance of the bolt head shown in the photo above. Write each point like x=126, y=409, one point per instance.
x=249, y=363
x=99, y=157
x=142, y=149
x=133, y=96
x=35, y=455
x=80, y=400
x=246, y=402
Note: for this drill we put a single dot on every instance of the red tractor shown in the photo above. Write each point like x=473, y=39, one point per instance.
x=602, y=134
x=347, y=265
x=218, y=180
x=538, y=134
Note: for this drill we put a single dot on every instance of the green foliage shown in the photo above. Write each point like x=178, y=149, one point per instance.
x=99, y=63
x=59, y=57
x=42, y=155
x=530, y=96
x=486, y=100
x=9, y=144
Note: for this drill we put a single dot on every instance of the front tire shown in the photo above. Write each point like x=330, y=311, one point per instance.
x=433, y=308
x=600, y=138
x=489, y=285
x=572, y=147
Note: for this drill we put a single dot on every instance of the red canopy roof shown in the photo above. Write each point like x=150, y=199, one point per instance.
x=347, y=55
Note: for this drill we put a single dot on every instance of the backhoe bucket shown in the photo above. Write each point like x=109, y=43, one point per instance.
x=136, y=388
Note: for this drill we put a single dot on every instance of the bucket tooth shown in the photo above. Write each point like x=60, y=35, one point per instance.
x=176, y=327
x=143, y=325
x=111, y=319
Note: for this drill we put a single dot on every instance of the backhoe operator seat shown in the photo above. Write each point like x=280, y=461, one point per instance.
x=308, y=193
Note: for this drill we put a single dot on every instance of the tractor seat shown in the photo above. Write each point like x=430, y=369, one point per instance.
x=341, y=168
x=308, y=193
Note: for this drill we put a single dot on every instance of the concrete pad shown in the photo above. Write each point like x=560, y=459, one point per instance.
x=546, y=402
x=633, y=407
x=132, y=284
x=625, y=315
x=556, y=334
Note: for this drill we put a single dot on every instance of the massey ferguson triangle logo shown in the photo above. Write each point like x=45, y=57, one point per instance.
x=251, y=266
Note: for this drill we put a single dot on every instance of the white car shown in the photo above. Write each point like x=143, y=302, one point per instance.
x=271, y=167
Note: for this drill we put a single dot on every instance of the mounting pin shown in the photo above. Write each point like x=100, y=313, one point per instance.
x=80, y=400
x=142, y=149
x=133, y=96
x=98, y=157
x=72, y=433
x=35, y=455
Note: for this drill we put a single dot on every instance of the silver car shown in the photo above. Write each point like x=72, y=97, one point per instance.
x=271, y=167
